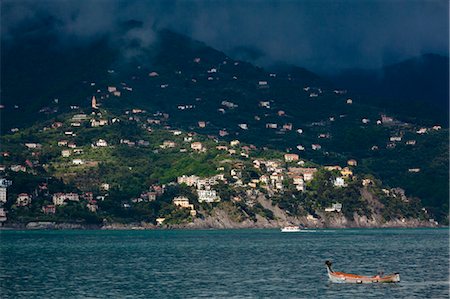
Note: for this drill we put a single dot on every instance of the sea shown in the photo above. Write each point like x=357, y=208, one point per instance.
x=253, y=263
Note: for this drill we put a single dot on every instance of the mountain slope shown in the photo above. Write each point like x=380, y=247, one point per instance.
x=203, y=90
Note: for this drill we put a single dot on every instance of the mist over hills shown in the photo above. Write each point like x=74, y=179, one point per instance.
x=417, y=87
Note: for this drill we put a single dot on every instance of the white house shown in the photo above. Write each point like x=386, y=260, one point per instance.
x=101, y=143
x=77, y=162
x=336, y=207
x=339, y=182
x=23, y=199
x=207, y=196
x=60, y=198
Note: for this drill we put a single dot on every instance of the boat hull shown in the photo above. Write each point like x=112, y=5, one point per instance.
x=340, y=277
x=394, y=278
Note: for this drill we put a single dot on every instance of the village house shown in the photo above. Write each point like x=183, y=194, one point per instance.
x=316, y=147
x=223, y=133
x=236, y=173
x=299, y=183
x=352, y=162
x=49, y=209
x=331, y=168
x=188, y=180
x=300, y=147
x=414, y=170
x=92, y=206
x=422, y=131
x=346, y=172
x=291, y=157
x=71, y=145
x=23, y=199
x=271, y=126
x=60, y=198
x=222, y=147
x=234, y=142
x=79, y=117
x=365, y=120
x=3, y=192
x=78, y=151
x=33, y=145
x=306, y=172
x=207, y=196
x=57, y=125
x=151, y=196
x=339, y=182
x=168, y=144
x=98, y=123
x=349, y=101
x=17, y=168
x=153, y=74
x=197, y=146
x=287, y=127
x=75, y=124
x=3, y=216
x=66, y=153
x=395, y=138
x=62, y=143
x=281, y=113
x=264, y=104
x=367, y=182
x=386, y=119
x=77, y=162
x=336, y=207
x=101, y=143
x=411, y=142
x=160, y=220
x=437, y=128
x=105, y=186
x=182, y=202
x=201, y=124
x=243, y=126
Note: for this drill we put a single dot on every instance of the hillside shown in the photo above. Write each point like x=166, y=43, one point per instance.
x=191, y=87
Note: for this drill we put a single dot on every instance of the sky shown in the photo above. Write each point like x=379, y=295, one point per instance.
x=322, y=35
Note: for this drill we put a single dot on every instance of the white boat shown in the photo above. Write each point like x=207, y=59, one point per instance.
x=290, y=229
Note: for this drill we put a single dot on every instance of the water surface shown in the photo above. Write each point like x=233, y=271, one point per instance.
x=220, y=263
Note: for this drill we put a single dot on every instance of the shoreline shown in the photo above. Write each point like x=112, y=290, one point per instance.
x=191, y=226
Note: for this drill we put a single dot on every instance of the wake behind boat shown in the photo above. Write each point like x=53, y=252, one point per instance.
x=340, y=277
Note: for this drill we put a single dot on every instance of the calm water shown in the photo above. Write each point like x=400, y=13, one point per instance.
x=220, y=263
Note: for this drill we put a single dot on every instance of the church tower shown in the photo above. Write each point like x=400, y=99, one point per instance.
x=94, y=103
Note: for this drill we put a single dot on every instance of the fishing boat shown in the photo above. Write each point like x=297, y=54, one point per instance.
x=290, y=229
x=340, y=277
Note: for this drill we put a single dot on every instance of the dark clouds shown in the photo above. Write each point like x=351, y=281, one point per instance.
x=321, y=35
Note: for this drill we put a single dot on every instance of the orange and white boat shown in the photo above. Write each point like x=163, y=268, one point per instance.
x=340, y=277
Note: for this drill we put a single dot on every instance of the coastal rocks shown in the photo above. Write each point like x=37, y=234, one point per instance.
x=54, y=225
x=40, y=225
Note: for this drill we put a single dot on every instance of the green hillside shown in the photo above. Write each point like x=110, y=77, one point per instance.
x=184, y=82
